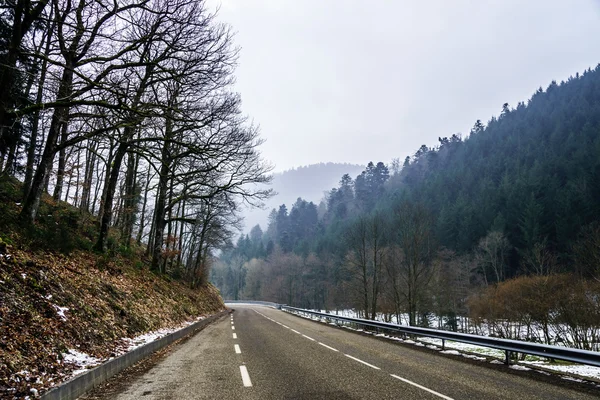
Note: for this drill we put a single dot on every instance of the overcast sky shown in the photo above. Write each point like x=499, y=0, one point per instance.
x=354, y=81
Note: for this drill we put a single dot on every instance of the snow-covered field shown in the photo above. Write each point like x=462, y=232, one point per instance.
x=479, y=353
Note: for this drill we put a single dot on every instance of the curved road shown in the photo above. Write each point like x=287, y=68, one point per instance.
x=263, y=353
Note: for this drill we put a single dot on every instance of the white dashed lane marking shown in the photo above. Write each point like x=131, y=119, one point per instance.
x=245, y=376
x=358, y=360
x=422, y=387
x=361, y=361
x=234, y=336
x=237, y=349
x=328, y=347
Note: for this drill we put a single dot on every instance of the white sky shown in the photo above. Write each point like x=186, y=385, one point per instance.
x=355, y=81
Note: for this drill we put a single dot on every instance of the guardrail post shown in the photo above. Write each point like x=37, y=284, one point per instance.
x=507, y=361
x=443, y=344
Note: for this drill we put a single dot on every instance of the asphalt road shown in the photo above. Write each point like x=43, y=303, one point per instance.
x=263, y=353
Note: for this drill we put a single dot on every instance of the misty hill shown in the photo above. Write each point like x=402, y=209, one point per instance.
x=310, y=182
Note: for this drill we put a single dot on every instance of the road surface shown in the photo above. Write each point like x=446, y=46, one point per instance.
x=263, y=353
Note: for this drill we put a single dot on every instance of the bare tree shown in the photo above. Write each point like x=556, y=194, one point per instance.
x=365, y=238
x=415, y=240
x=491, y=256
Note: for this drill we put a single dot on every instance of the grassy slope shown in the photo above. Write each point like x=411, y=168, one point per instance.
x=108, y=296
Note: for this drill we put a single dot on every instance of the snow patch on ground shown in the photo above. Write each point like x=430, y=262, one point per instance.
x=582, y=370
x=134, y=343
x=473, y=357
x=81, y=360
x=61, y=311
x=453, y=352
x=519, y=367
x=570, y=378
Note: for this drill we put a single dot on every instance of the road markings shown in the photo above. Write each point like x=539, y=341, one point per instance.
x=234, y=336
x=245, y=377
x=422, y=387
x=327, y=347
x=232, y=328
x=231, y=322
x=361, y=361
x=308, y=337
x=237, y=349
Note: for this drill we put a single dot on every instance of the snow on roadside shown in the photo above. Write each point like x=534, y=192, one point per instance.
x=581, y=370
x=82, y=361
x=457, y=348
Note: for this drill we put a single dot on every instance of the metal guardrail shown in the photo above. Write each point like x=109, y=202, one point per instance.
x=507, y=345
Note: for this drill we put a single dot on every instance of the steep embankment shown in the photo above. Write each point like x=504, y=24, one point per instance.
x=52, y=302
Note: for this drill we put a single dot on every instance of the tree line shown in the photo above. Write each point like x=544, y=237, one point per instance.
x=125, y=110
x=518, y=197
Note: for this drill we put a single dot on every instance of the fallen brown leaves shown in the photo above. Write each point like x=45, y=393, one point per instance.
x=50, y=303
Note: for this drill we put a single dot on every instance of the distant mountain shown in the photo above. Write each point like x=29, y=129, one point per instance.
x=310, y=182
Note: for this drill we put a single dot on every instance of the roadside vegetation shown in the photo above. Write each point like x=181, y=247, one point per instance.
x=56, y=295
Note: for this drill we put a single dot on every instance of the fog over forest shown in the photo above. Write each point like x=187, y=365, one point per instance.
x=311, y=182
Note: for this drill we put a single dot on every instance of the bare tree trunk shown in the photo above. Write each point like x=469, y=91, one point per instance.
x=59, y=117
x=90, y=161
x=62, y=161
x=109, y=194
x=143, y=213
x=161, y=196
x=129, y=200
x=32, y=148
x=180, y=246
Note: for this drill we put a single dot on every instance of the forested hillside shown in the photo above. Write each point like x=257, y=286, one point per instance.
x=518, y=196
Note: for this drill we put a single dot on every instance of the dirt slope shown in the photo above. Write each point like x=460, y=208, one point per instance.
x=50, y=303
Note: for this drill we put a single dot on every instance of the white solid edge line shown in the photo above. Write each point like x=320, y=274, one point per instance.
x=308, y=337
x=422, y=387
x=234, y=335
x=361, y=361
x=237, y=349
x=285, y=326
x=295, y=331
x=328, y=347
x=245, y=377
